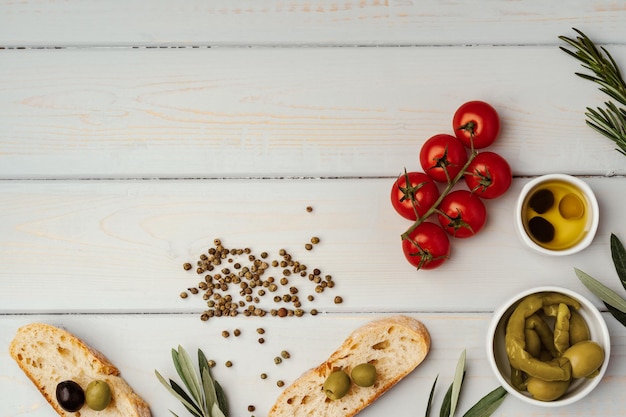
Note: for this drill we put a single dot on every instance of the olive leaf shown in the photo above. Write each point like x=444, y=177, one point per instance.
x=205, y=397
x=487, y=405
x=459, y=375
x=601, y=291
x=618, y=253
x=621, y=317
x=430, y=397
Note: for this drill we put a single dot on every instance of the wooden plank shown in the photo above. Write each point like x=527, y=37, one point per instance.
x=334, y=112
x=303, y=22
x=119, y=246
x=139, y=344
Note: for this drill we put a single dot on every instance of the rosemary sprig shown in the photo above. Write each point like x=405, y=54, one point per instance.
x=612, y=300
x=611, y=120
x=205, y=397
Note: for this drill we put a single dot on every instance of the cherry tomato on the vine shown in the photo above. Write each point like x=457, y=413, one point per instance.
x=427, y=246
x=488, y=175
x=464, y=214
x=413, y=194
x=477, y=122
x=442, y=157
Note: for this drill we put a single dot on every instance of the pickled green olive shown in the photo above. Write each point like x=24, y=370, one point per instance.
x=546, y=390
x=98, y=395
x=337, y=385
x=364, y=375
x=585, y=358
x=70, y=396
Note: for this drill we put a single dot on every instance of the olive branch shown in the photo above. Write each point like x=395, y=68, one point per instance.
x=206, y=397
x=612, y=300
x=485, y=407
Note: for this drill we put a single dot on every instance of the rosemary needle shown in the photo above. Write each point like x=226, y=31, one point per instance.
x=609, y=121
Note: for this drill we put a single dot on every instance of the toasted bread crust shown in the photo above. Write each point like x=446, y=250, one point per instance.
x=396, y=345
x=49, y=355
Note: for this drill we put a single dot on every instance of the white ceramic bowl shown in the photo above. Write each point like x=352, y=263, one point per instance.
x=592, y=217
x=498, y=359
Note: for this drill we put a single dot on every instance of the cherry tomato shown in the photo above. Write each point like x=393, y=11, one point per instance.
x=464, y=214
x=488, y=175
x=477, y=122
x=413, y=194
x=442, y=157
x=427, y=246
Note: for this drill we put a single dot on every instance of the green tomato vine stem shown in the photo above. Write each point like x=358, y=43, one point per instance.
x=435, y=207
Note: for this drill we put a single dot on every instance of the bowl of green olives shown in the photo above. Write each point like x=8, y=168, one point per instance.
x=548, y=346
x=557, y=214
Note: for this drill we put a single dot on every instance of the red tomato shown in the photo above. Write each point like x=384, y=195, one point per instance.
x=413, y=194
x=462, y=214
x=488, y=175
x=477, y=122
x=442, y=157
x=427, y=246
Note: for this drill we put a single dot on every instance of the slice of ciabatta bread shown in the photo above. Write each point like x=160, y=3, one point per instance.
x=395, y=345
x=49, y=355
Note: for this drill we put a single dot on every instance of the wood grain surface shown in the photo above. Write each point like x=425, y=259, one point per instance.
x=133, y=134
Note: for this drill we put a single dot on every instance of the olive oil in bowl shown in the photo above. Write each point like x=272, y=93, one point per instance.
x=557, y=214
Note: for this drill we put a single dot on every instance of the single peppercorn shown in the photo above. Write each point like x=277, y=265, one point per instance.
x=186, y=266
x=280, y=383
x=228, y=364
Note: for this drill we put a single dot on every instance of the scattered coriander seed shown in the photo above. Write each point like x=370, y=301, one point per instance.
x=228, y=364
x=237, y=332
x=282, y=312
x=308, y=246
x=261, y=340
x=310, y=298
x=315, y=240
x=280, y=383
x=186, y=266
x=309, y=209
x=251, y=408
x=314, y=312
x=338, y=300
x=285, y=354
x=278, y=360
x=225, y=333
x=260, y=330
x=211, y=363
x=184, y=294
x=263, y=375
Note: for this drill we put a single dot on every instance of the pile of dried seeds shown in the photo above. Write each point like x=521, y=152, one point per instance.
x=235, y=281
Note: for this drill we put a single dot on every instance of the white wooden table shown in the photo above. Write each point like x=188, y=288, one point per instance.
x=132, y=134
